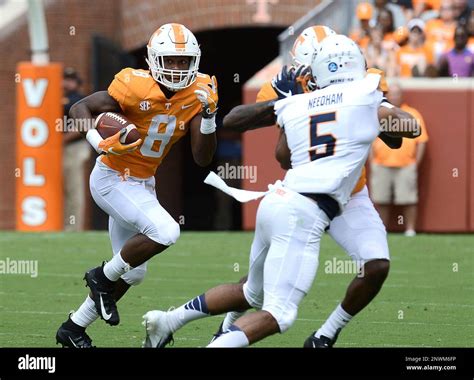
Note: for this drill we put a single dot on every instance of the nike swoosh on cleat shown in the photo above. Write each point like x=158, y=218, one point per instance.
x=102, y=310
x=74, y=344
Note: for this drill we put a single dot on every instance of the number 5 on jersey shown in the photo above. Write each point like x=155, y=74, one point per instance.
x=318, y=141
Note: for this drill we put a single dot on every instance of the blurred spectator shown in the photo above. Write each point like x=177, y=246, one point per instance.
x=397, y=12
x=470, y=30
x=361, y=33
x=458, y=62
x=76, y=154
x=392, y=38
x=378, y=55
x=415, y=57
x=395, y=171
x=462, y=11
x=407, y=7
x=71, y=85
x=385, y=21
x=440, y=32
x=426, y=9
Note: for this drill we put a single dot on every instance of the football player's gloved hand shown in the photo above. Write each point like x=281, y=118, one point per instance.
x=291, y=81
x=207, y=95
x=305, y=78
x=113, y=145
x=383, y=86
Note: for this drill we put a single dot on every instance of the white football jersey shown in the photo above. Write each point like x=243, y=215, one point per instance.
x=329, y=134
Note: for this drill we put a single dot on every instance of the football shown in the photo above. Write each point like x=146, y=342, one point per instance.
x=109, y=123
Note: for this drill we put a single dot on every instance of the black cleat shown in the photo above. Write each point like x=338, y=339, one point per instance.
x=102, y=294
x=218, y=333
x=72, y=338
x=321, y=342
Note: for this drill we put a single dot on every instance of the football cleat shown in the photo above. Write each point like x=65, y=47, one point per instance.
x=322, y=342
x=73, y=339
x=102, y=295
x=218, y=333
x=158, y=333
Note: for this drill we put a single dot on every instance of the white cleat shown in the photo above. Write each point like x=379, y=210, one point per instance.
x=158, y=333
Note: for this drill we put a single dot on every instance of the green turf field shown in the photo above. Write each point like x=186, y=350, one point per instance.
x=428, y=299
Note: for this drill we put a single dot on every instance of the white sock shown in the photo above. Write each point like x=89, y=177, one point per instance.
x=230, y=318
x=116, y=267
x=86, y=314
x=336, y=321
x=190, y=311
x=235, y=337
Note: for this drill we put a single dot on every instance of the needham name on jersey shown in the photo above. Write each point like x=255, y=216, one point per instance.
x=325, y=100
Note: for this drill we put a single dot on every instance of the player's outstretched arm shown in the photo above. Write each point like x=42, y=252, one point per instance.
x=395, y=122
x=203, y=146
x=250, y=116
x=93, y=105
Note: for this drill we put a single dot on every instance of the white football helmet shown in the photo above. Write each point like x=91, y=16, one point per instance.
x=307, y=43
x=173, y=40
x=338, y=60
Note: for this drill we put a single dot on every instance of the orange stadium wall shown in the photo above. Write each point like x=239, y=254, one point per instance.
x=446, y=176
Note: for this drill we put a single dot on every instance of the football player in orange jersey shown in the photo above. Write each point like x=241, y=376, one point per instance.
x=163, y=102
x=358, y=230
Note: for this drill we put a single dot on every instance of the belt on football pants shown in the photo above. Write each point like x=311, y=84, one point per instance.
x=326, y=203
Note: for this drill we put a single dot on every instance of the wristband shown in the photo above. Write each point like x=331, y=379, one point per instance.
x=208, y=126
x=94, y=139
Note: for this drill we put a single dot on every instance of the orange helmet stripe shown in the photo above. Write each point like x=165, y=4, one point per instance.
x=179, y=38
x=156, y=33
x=298, y=41
x=320, y=32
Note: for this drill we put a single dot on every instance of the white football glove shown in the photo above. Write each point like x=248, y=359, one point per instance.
x=207, y=95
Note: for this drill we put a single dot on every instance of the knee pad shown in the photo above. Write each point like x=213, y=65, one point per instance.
x=134, y=276
x=253, y=298
x=165, y=234
x=285, y=315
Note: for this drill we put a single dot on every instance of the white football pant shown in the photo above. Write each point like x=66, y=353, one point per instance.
x=285, y=253
x=133, y=208
x=359, y=230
